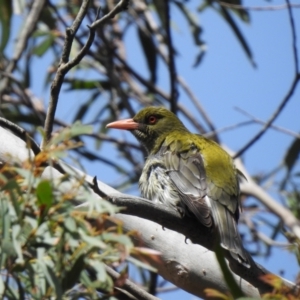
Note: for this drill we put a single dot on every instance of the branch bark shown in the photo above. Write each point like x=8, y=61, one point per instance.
x=65, y=65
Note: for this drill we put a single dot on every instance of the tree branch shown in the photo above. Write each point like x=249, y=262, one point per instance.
x=273, y=117
x=172, y=66
x=256, y=120
x=250, y=188
x=289, y=93
x=65, y=65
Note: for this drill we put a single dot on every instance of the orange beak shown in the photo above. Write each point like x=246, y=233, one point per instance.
x=127, y=124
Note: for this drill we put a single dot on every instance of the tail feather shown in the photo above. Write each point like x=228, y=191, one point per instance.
x=229, y=236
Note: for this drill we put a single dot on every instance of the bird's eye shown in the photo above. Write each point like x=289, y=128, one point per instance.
x=152, y=120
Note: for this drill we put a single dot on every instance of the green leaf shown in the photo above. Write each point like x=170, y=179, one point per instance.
x=91, y=241
x=196, y=31
x=85, y=108
x=25, y=174
x=71, y=276
x=79, y=84
x=149, y=48
x=241, y=13
x=228, y=276
x=141, y=264
x=40, y=33
x=47, y=18
x=5, y=18
x=68, y=133
x=7, y=247
x=5, y=232
x=44, y=194
x=42, y=47
x=51, y=278
x=99, y=267
x=248, y=298
x=292, y=154
x=160, y=9
x=70, y=224
x=103, y=280
x=2, y=287
x=17, y=245
x=118, y=238
x=14, y=191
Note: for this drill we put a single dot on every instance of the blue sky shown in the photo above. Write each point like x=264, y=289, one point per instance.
x=224, y=80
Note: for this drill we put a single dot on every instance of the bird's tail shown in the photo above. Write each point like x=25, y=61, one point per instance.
x=229, y=236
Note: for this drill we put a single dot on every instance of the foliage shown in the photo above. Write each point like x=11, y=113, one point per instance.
x=48, y=248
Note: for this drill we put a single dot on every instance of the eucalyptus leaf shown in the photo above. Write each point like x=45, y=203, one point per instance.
x=43, y=46
x=5, y=19
x=44, y=194
x=76, y=129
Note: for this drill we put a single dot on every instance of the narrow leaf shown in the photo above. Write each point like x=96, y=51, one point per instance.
x=42, y=48
x=224, y=12
x=5, y=18
x=228, y=276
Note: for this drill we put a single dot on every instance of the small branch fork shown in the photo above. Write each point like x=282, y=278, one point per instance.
x=129, y=286
x=65, y=65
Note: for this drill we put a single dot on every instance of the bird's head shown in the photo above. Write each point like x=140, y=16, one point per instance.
x=150, y=126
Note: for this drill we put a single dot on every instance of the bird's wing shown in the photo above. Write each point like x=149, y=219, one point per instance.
x=209, y=203
x=186, y=171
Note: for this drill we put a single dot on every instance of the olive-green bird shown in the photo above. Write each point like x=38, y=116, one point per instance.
x=189, y=172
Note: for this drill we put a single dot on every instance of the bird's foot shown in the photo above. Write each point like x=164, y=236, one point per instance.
x=181, y=211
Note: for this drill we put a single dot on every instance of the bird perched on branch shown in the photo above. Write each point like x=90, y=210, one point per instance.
x=189, y=172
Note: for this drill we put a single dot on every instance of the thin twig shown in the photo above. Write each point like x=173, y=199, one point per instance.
x=284, y=130
x=259, y=8
x=227, y=128
x=293, y=28
x=71, y=32
x=161, y=50
x=66, y=65
x=172, y=66
x=272, y=119
x=191, y=118
x=129, y=286
x=198, y=105
x=151, y=87
x=23, y=93
x=61, y=71
x=252, y=226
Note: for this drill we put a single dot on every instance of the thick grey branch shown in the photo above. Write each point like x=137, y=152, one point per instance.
x=190, y=266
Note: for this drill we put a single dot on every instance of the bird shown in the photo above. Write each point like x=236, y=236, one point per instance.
x=190, y=173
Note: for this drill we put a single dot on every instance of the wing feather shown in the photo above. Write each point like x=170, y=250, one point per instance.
x=210, y=204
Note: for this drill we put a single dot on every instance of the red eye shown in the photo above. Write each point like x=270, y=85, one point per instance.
x=152, y=120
